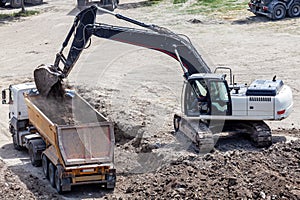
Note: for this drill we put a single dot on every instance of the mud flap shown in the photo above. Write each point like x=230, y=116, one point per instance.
x=111, y=179
x=66, y=184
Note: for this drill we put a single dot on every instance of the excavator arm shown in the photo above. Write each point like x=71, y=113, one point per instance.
x=151, y=37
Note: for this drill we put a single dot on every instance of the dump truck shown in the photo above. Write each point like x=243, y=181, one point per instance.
x=275, y=9
x=72, y=141
x=107, y=4
x=18, y=3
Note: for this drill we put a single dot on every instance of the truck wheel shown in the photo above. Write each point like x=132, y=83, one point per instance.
x=45, y=165
x=278, y=12
x=176, y=122
x=112, y=5
x=16, y=3
x=294, y=10
x=57, y=179
x=15, y=142
x=35, y=162
x=36, y=2
x=2, y=3
x=81, y=3
x=51, y=172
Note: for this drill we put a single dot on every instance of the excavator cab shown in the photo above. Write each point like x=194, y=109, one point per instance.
x=206, y=94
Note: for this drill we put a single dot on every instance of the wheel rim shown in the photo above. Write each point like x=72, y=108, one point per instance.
x=279, y=12
x=296, y=10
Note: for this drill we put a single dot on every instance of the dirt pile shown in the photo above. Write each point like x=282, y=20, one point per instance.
x=236, y=170
x=273, y=173
x=10, y=185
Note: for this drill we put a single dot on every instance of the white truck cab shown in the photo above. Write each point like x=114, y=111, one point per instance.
x=17, y=107
x=18, y=115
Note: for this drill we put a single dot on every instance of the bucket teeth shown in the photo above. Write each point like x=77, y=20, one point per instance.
x=45, y=77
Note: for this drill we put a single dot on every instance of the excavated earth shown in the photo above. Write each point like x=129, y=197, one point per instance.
x=235, y=169
x=273, y=173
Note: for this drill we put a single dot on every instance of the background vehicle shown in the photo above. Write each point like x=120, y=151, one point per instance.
x=72, y=141
x=229, y=106
x=108, y=4
x=275, y=9
x=18, y=3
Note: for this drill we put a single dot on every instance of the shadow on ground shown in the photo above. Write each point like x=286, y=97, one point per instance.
x=256, y=19
x=36, y=182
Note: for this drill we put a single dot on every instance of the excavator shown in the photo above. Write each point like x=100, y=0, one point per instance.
x=210, y=103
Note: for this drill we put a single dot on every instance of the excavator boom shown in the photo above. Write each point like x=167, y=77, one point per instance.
x=47, y=78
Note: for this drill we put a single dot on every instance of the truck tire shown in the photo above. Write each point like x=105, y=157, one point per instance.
x=45, y=165
x=2, y=3
x=36, y=2
x=81, y=3
x=15, y=142
x=294, y=10
x=57, y=179
x=33, y=157
x=114, y=5
x=279, y=12
x=16, y=3
x=176, y=123
x=51, y=172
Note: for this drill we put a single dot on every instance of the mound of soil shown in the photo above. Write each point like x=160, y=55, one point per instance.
x=11, y=186
x=273, y=173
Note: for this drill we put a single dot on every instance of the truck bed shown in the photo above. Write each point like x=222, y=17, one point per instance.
x=79, y=134
x=68, y=111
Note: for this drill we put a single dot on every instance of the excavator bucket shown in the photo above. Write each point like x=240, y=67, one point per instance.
x=46, y=77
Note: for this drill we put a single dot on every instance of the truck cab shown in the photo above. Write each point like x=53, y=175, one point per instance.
x=14, y=97
x=18, y=115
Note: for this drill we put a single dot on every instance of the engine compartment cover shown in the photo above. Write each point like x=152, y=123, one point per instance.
x=264, y=88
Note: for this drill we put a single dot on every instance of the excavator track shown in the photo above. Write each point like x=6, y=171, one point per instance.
x=258, y=131
x=205, y=138
x=197, y=132
x=260, y=134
